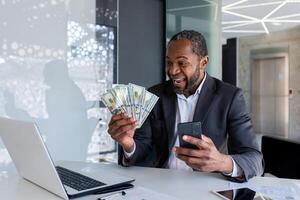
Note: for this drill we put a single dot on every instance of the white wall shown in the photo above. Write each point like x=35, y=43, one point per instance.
x=287, y=41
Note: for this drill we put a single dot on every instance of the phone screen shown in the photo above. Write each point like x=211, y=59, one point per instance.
x=242, y=194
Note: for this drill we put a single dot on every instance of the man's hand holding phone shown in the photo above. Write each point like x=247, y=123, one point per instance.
x=200, y=153
x=193, y=129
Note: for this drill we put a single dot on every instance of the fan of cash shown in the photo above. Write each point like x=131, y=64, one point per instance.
x=132, y=99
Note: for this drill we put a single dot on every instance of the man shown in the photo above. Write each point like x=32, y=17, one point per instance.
x=192, y=95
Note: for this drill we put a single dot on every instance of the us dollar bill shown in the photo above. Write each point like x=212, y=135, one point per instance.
x=132, y=99
x=149, y=102
x=137, y=96
x=121, y=92
x=112, y=103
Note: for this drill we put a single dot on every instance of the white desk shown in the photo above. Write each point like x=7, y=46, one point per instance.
x=181, y=184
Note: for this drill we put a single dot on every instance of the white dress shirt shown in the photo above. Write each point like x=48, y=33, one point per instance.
x=185, y=110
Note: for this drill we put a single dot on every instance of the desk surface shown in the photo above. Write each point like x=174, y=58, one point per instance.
x=180, y=184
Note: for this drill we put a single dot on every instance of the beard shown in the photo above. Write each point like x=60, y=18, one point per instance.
x=191, y=83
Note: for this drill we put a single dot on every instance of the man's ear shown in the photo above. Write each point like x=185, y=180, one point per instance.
x=204, y=62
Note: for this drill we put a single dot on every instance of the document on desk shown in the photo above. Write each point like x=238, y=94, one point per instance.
x=140, y=193
x=274, y=192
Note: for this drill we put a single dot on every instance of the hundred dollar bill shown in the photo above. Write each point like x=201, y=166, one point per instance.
x=121, y=92
x=137, y=96
x=149, y=102
x=112, y=103
x=135, y=100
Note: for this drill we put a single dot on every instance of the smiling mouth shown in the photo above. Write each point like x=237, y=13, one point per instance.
x=178, y=80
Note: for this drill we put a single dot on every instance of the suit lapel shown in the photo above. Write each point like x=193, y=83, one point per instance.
x=205, y=99
x=202, y=107
x=169, y=110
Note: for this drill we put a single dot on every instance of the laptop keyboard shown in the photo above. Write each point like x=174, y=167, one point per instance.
x=75, y=180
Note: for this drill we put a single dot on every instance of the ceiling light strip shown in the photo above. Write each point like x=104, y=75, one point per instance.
x=256, y=5
x=243, y=31
x=241, y=15
x=239, y=25
x=293, y=1
x=282, y=21
x=274, y=10
x=265, y=27
x=285, y=16
x=233, y=4
x=236, y=22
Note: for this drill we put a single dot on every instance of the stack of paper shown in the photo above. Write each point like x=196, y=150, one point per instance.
x=138, y=193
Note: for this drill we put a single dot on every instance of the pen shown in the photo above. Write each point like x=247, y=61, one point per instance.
x=123, y=193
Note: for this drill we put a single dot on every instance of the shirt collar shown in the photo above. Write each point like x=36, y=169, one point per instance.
x=201, y=84
x=197, y=91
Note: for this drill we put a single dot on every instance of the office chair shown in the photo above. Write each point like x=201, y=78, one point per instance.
x=281, y=157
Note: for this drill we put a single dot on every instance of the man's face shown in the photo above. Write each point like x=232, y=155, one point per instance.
x=185, y=68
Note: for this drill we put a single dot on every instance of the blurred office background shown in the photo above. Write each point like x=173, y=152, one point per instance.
x=58, y=56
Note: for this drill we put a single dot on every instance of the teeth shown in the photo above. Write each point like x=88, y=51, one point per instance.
x=178, y=80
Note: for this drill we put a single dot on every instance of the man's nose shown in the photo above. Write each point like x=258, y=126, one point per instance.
x=174, y=69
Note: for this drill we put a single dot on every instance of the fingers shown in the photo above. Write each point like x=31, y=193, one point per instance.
x=203, y=167
x=119, y=136
x=120, y=124
x=200, y=143
x=117, y=117
x=200, y=164
x=119, y=120
x=207, y=158
x=207, y=139
x=191, y=152
x=124, y=129
x=195, y=163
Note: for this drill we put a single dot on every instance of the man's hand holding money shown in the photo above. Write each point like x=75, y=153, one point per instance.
x=121, y=128
x=130, y=106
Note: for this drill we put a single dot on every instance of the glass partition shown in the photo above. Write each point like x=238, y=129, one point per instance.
x=56, y=58
x=200, y=15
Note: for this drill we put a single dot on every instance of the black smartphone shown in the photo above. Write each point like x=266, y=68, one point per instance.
x=193, y=129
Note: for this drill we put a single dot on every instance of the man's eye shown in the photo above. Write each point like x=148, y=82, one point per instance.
x=169, y=63
x=182, y=64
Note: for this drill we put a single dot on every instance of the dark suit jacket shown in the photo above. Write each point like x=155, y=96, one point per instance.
x=221, y=109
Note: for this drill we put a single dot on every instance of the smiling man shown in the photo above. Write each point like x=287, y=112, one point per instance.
x=228, y=143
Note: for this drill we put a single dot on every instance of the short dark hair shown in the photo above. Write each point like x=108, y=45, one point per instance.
x=197, y=39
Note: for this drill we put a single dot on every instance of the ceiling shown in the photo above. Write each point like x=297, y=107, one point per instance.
x=242, y=17
x=250, y=17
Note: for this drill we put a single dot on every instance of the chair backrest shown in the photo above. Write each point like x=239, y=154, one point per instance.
x=282, y=157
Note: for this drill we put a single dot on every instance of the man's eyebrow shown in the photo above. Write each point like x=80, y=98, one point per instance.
x=181, y=57
x=178, y=57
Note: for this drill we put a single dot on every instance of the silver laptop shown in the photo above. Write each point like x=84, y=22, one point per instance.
x=33, y=162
